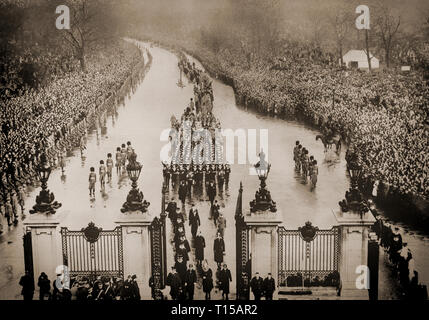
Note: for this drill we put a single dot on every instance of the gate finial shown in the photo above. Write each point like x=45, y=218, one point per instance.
x=308, y=232
x=91, y=232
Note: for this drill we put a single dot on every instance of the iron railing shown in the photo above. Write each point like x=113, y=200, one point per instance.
x=102, y=257
x=308, y=261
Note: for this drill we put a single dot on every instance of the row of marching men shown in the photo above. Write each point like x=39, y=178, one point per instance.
x=195, y=175
x=105, y=168
x=306, y=164
x=197, y=76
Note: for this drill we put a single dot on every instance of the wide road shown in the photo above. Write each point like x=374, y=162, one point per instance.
x=141, y=119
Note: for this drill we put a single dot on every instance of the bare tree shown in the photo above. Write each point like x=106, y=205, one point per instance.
x=368, y=54
x=387, y=28
x=258, y=21
x=88, y=25
x=341, y=26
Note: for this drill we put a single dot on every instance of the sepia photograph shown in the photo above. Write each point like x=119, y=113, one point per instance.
x=242, y=150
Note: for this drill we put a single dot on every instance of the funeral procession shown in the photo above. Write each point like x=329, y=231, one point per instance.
x=186, y=150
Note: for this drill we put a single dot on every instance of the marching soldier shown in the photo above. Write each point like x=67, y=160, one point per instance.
x=314, y=174
x=118, y=160
x=92, y=180
x=102, y=171
x=109, y=165
x=129, y=149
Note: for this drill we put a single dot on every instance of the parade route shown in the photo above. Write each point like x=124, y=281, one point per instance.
x=141, y=120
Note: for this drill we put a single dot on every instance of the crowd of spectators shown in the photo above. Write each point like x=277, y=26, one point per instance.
x=383, y=114
x=401, y=260
x=81, y=288
x=27, y=68
x=53, y=118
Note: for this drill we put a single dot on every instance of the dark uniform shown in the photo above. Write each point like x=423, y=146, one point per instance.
x=269, y=288
x=183, y=191
x=173, y=280
x=224, y=279
x=200, y=244
x=257, y=286
x=190, y=279
x=219, y=249
x=27, y=284
x=194, y=221
x=211, y=192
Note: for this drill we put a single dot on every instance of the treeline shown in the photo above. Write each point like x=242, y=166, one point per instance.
x=398, y=35
x=33, y=51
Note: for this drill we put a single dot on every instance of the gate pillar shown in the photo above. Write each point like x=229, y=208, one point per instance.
x=136, y=244
x=355, y=229
x=263, y=242
x=45, y=242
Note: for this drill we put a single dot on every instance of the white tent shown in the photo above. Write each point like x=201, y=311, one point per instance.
x=357, y=59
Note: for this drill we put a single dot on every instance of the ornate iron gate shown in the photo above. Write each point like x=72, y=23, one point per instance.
x=93, y=252
x=242, y=250
x=156, y=242
x=373, y=264
x=28, y=253
x=308, y=256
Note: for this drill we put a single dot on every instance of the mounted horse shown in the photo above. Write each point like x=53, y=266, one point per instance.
x=329, y=141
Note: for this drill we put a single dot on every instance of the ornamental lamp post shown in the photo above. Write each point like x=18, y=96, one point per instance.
x=354, y=200
x=164, y=234
x=45, y=201
x=134, y=169
x=262, y=169
x=355, y=171
x=135, y=200
x=43, y=171
x=263, y=200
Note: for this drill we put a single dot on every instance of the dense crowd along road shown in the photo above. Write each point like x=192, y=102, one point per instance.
x=53, y=120
x=384, y=116
x=122, y=124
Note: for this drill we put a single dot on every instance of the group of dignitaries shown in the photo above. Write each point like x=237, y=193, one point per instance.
x=184, y=274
